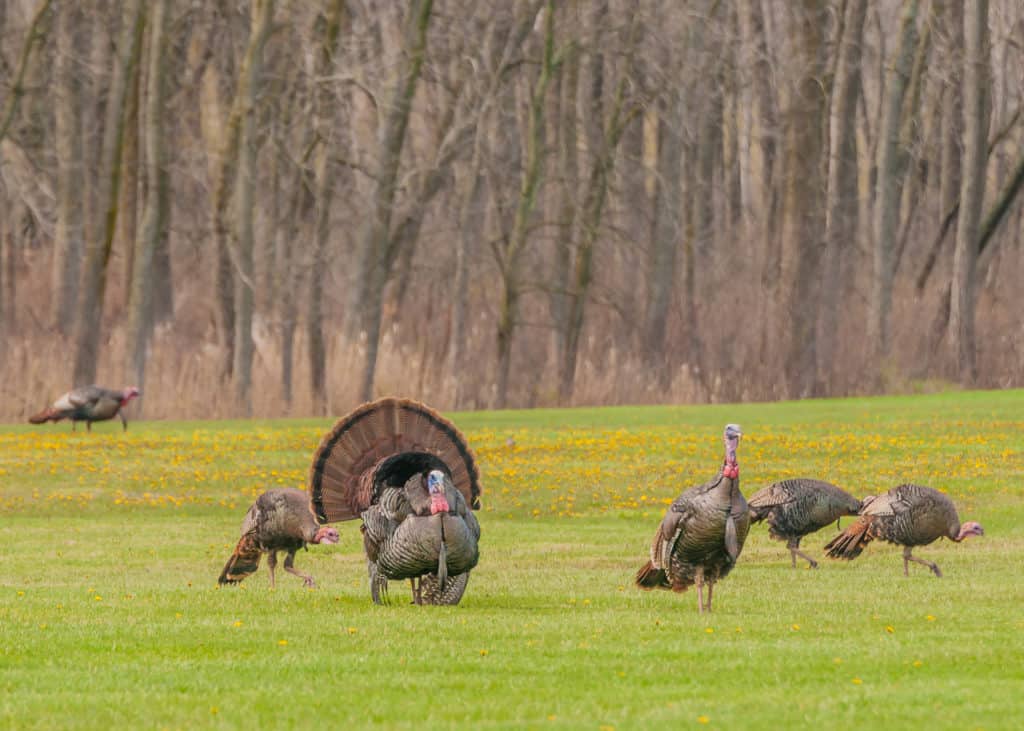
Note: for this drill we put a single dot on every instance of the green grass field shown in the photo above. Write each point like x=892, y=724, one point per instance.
x=111, y=544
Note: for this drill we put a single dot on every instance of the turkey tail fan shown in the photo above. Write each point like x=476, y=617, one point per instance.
x=243, y=562
x=850, y=543
x=649, y=577
x=346, y=464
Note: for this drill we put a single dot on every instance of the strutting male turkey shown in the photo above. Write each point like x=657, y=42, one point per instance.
x=88, y=404
x=702, y=533
x=907, y=515
x=279, y=520
x=795, y=508
x=410, y=475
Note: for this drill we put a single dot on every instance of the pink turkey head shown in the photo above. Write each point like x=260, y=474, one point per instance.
x=970, y=528
x=129, y=393
x=732, y=441
x=326, y=534
x=436, y=488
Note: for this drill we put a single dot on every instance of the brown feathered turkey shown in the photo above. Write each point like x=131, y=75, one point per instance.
x=279, y=520
x=88, y=404
x=797, y=507
x=907, y=515
x=702, y=534
x=409, y=474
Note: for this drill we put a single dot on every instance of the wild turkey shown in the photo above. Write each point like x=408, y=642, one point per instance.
x=702, y=533
x=908, y=515
x=279, y=520
x=409, y=474
x=794, y=508
x=88, y=404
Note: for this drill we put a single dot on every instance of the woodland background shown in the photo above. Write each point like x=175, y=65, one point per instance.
x=284, y=207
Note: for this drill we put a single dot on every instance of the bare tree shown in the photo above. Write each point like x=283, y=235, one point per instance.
x=977, y=107
x=90, y=304
x=140, y=315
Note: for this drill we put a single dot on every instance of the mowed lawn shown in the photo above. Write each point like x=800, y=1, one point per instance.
x=111, y=543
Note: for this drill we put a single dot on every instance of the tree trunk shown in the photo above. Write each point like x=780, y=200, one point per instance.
x=36, y=36
x=375, y=248
x=140, y=313
x=976, y=101
x=510, y=261
x=90, y=304
x=325, y=177
x=249, y=81
x=593, y=202
x=892, y=162
x=841, y=206
x=69, y=236
x=802, y=211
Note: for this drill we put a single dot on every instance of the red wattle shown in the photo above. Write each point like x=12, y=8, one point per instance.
x=438, y=504
x=731, y=471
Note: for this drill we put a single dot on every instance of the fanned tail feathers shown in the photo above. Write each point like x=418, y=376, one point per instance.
x=243, y=562
x=850, y=543
x=43, y=416
x=649, y=577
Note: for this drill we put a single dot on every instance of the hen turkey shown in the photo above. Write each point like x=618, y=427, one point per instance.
x=88, y=404
x=907, y=515
x=702, y=534
x=279, y=520
x=795, y=508
x=410, y=475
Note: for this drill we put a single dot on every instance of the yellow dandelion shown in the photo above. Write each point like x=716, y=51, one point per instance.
x=857, y=681
x=709, y=630
x=237, y=623
x=352, y=630
x=930, y=618
x=795, y=627
x=98, y=598
x=21, y=593
x=282, y=643
x=837, y=660
x=552, y=717
x=889, y=628
x=918, y=663
x=213, y=710
x=703, y=719
x=483, y=653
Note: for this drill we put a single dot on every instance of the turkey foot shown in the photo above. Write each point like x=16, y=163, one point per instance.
x=794, y=551
x=907, y=558
x=289, y=566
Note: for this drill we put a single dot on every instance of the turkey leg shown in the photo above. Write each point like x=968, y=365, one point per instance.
x=700, y=590
x=711, y=588
x=272, y=564
x=289, y=566
x=124, y=421
x=794, y=551
x=907, y=557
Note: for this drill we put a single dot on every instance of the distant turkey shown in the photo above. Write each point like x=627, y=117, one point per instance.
x=908, y=515
x=794, y=508
x=702, y=533
x=279, y=520
x=409, y=474
x=88, y=404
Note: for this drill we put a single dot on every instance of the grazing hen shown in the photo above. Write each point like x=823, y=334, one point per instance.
x=908, y=515
x=279, y=520
x=409, y=474
x=702, y=533
x=794, y=508
x=88, y=404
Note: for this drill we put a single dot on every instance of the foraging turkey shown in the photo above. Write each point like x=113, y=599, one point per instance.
x=88, y=404
x=907, y=515
x=279, y=520
x=702, y=533
x=794, y=508
x=409, y=474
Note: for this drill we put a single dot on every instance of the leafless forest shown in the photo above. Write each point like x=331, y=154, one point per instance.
x=284, y=207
